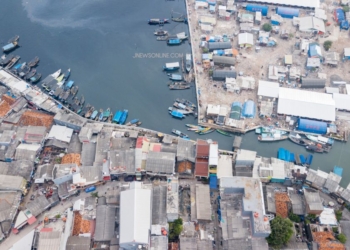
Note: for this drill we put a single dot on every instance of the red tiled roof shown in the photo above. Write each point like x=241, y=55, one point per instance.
x=139, y=142
x=202, y=149
x=201, y=167
x=157, y=148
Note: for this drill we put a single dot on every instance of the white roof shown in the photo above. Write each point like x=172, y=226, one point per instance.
x=60, y=133
x=307, y=104
x=269, y=89
x=299, y=3
x=201, y=4
x=346, y=51
x=310, y=23
x=30, y=147
x=224, y=168
x=171, y=65
x=327, y=217
x=342, y=101
x=213, y=154
x=213, y=109
x=245, y=38
x=347, y=88
x=135, y=215
x=330, y=90
x=320, y=13
x=25, y=243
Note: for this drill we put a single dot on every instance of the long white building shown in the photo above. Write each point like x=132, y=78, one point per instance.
x=307, y=104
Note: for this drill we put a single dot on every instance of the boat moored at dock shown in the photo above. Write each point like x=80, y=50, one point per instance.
x=134, y=121
x=175, y=77
x=34, y=62
x=106, y=114
x=94, y=115
x=117, y=116
x=179, y=133
x=179, y=86
x=223, y=132
x=272, y=137
x=155, y=21
x=124, y=117
x=6, y=60
x=162, y=38
x=174, y=41
x=35, y=78
x=171, y=66
x=188, y=62
x=160, y=32
x=10, y=46
x=13, y=61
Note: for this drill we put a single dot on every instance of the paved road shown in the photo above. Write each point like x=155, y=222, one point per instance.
x=13, y=238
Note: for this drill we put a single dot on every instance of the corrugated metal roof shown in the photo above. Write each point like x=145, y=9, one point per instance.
x=49, y=240
x=160, y=162
x=342, y=101
x=306, y=104
x=268, y=89
x=135, y=216
x=298, y=3
x=201, y=167
x=105, y=223
x=185, y=150
x=203, y=205
x=78, y=243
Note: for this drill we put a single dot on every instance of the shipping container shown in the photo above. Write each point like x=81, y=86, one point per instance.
x=90, y=189
x=287, y=12
x=258, y=8
x=312, y=126
x=339, y=15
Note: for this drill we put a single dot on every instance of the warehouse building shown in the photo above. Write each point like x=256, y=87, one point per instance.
x=342, y=101
x=313, y=83
x=135, y=216
x=224, y=61
x=306, y=104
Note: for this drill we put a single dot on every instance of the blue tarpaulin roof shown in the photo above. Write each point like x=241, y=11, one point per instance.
x=213, y=182
x=338, y=170
x=302, y=159
x=285, y=155
x=309, y=159
x=249, y=109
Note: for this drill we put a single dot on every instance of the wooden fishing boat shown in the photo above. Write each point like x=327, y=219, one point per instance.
x=179, y=86
x=162, y=38
x=314, y=148
x=34, y=62
x=13, y=61
x=207, y=132
x=179, y=133
x=223, y=132
x=89, y=113
x=160, y=32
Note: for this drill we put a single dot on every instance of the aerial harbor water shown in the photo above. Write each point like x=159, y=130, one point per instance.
x=117, y=62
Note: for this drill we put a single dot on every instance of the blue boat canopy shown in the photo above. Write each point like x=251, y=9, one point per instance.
x=69, y=84
x=177, y=114
x=338, y=170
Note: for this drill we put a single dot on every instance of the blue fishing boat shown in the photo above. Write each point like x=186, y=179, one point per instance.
x=175, y=77
x=17, y=66
x=66, y=74
x=100, y=118
x=134, y=121
x=174, y=41
x=171, y=66
x=69, y=84
x=124, y=116
x=10, y=46
x=35, y=78
x=117, y=116
x=94, y=114
x=177, y=114
x=106, y=114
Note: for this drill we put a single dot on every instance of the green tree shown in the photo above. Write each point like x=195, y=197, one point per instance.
x=175, y=229
x=267, y=27
x=338, y=214
x=327, y=45
x=58, y=216
x=94, y=194
x=281, y=232
x=346, y=8
x=342, y=238
x=294, y=217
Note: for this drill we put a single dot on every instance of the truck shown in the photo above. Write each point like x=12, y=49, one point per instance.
x=339, y=17
x=90, y=189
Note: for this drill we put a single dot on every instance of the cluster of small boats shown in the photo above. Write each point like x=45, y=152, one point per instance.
x=26, y=70
x=181, y=108
x=199, y=129
x=318, y=144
